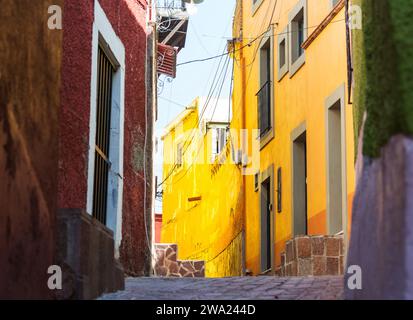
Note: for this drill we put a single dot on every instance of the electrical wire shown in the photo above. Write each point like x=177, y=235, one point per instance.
x=199, y=149
x=249, y=44
x=193, y=136
x=207, y=102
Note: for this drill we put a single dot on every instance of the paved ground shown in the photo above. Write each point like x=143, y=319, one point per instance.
x=237, y=288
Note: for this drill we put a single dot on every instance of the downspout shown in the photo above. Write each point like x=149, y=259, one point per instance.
x=152, y=82
x=349, y=57
x=349, y=102
x=243, y=126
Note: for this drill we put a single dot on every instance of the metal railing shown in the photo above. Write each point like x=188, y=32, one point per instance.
x=264, y=108
x=170, y=4
x=103, y=119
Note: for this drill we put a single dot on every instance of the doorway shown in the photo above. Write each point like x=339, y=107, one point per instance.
x=267, y=225
x=299, y=173
x=335, y=150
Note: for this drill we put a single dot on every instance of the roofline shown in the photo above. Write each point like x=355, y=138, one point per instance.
x=180, y=117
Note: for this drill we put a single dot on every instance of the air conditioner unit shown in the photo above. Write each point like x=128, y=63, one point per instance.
x=237, y=157
x=194, y=1
x=245, y=160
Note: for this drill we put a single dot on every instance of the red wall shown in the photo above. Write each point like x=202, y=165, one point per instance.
x=75, y=103
x=128, y=20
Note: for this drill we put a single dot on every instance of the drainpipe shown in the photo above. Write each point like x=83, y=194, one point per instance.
x=349, y=56
x=243, y=126
x=153, y=94
x=349, y=90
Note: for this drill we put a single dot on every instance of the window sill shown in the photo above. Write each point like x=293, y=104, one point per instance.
x=282, y=72
x=266, y=138
x=294, y=67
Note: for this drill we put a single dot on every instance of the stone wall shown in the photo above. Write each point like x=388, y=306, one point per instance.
x=167, y=265
x=312, y=256
x=85, y=251
x=382, y=223
x=381, y=241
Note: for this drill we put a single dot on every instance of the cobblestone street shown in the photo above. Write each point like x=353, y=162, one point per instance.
x=237, y=288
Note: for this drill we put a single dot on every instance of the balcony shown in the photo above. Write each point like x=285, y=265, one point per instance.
x=172, y=23
x=264, y=108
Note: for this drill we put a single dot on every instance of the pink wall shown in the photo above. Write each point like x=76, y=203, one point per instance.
x=158, y=227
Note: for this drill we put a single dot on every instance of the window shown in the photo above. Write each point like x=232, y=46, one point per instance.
x=255, y=5
x=103, y=121
x=297, y=30
x=256, y=181
x=265, y=93
x=179, y=155
x=298, y=34
x=219, y=140
x=106, y=136
x=282, y=54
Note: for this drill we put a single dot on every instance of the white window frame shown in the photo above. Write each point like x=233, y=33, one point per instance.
x=213, y=128
x=295, y=65
x=104, y=32
x=283, y=70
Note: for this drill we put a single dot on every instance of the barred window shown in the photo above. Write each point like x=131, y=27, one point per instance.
x=103, y=121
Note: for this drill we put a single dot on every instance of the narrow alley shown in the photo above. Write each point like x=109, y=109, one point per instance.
x=233, y=288
x=206, y=150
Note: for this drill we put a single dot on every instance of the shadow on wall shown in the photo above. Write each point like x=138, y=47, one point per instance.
x=29, y=104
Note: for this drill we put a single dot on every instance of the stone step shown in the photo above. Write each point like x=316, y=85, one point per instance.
x=312, y=256
x=167, y=265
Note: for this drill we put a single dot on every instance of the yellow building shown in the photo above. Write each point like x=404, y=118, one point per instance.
x=290, y=82
x=202, y=206
x=289, y=165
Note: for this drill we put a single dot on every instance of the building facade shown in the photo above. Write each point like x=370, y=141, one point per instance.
x=104, y=99
x=280, y=202
x=291, y=83
x=202, y=195
x=81, y=130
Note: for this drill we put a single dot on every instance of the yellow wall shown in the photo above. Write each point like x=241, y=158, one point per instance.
x=224, y=226
x=209, y=229
x=298, y=99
